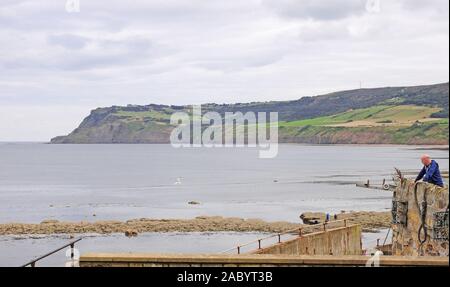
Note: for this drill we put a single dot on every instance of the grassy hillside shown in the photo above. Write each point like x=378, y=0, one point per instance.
x=339, y=102
x=374, y=116
x=410, y=115
x=403, y=124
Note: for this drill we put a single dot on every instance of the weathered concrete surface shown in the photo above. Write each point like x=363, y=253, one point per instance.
x=339, y=241
x=410, y=200
x=212, y=260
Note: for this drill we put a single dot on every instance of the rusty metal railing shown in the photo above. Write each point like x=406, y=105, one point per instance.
x=32, y=263
x=298, y=231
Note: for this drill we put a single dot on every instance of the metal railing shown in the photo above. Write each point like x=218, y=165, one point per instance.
x=72, y=253
x=298, y=231
x=383, y=186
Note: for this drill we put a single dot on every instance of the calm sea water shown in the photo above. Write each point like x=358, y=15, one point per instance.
x=121, y=182
x=18, y=250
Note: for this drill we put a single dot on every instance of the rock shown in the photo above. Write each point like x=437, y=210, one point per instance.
x=131, y=233
x=312, y=218
x=49, y=221
x=193, y=202
x=370, y=221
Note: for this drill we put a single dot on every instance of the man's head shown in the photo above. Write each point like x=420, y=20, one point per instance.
x=426, y=159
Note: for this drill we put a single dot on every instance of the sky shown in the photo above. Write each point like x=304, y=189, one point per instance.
x=59, y=59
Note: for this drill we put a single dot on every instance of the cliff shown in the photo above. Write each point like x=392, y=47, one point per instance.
x=403, y=115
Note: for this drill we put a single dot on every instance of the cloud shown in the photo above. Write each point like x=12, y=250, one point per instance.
x=68, y=52
x=440, y=6
x=317, y=9
x=68, y=41
x=195, y=51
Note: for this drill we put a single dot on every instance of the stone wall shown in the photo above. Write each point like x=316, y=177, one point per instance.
x=217, y=260
x=420, y=210
x=338, y=242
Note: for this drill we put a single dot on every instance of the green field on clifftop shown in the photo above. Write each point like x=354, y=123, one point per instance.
x=374, y=116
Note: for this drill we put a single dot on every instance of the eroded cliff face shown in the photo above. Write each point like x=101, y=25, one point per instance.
x=427, y=134
x=117, y=125
x=420, y=220
x=117, y=133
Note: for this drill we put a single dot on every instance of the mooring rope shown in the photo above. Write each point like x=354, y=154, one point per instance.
x=422, y=208
x=387, y=235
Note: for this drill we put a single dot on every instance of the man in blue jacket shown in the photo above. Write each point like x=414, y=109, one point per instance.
x=430, y=172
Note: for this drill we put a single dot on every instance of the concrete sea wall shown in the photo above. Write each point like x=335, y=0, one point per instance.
x=215, y=260
x=420, y=220
x=337, y=242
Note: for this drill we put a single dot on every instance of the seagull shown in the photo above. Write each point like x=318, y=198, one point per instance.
x=178, y=181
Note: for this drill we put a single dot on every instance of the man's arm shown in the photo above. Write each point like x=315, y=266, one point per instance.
x=430, y=172
x=421, y=174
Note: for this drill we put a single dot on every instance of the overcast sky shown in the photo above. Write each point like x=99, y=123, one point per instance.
x=56, y=66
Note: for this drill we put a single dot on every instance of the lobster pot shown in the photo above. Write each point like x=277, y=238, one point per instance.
x=420, y=220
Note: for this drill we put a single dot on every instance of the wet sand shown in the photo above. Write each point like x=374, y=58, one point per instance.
x=371, y=222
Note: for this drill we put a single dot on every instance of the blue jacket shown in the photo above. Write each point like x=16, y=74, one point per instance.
x=431, y=174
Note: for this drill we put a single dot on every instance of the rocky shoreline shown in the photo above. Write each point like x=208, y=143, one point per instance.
x=371, y=222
